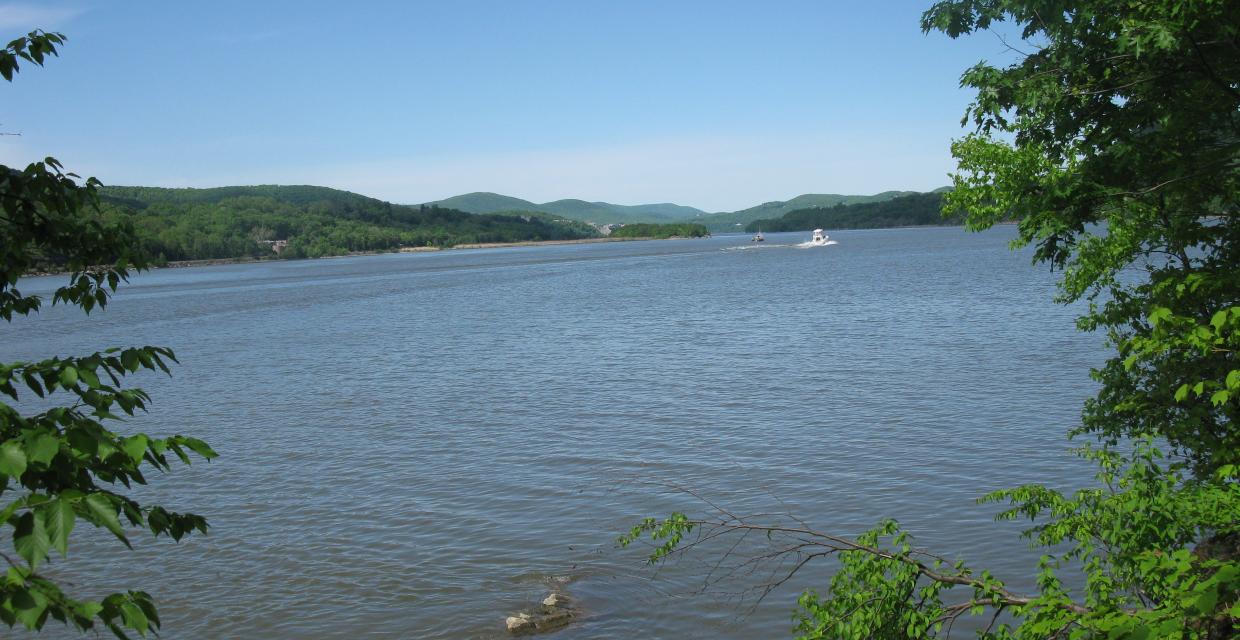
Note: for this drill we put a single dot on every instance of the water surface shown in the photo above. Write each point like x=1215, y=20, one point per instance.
x=416, y=445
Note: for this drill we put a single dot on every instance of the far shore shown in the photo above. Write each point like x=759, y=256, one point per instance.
x=524, y=243
x=179, y=264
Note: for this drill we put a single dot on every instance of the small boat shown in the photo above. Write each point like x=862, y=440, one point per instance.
x=819, y=238
x=757, y=237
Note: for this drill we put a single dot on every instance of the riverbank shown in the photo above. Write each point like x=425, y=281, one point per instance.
x=180, y=264
x=524, y=243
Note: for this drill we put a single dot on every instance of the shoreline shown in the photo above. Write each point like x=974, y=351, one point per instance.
x=522, y=243
x=212, y=262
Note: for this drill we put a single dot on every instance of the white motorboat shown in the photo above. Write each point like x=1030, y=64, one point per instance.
x=819, y=239
x=757, y=237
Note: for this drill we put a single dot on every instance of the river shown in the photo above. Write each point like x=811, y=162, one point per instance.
x=418, y=445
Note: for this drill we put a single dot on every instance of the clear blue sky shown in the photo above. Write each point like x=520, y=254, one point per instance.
x=719, y=105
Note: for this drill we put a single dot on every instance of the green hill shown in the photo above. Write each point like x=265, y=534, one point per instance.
x=598, y=212
x=291, y=194
x=581, y=210
x=667, y=210
x=728, y=221
x=235, y=222
x=486, y=202
x=904, y=211
x=606, y=212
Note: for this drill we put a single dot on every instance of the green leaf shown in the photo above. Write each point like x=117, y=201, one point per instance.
x=68, y=376
x=43, y=448
x=10, y=510
x=103, y=512
x=1207, y=601
x=88, y=610
x=135, y=447
x=199, y=447
x=12, y=459
x=30, y=539
x=59, y=519
x=30, y=607
x=129, y=358
x=1181, y=393
x=134, y=617
x=89, y=377
x=33, y=383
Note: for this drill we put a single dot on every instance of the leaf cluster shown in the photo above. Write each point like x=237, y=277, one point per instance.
x=64, y=465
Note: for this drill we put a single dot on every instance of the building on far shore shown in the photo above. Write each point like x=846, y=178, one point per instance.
x=276, y=245
x=605, y=229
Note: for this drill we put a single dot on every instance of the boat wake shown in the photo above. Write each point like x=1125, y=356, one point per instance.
x=804, y=245
x=755, y=247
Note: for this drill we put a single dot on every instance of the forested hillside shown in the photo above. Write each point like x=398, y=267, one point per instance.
x=605, y=212
x=904, y=211
x=647, y=230
x=573, y=209
x=777, y=208
x=234, y=222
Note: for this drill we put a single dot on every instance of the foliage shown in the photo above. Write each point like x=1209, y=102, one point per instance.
x=571, y=208
x=62, y=464
x=583, y=229
x=733, y=220
x=1115, y=143
x=905, y=211
x=1122, y=170
x=647, y=230
x=232, y=222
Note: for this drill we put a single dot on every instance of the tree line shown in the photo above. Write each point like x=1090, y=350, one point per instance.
x=651, y=230
x=905, y=211
x=236, y=222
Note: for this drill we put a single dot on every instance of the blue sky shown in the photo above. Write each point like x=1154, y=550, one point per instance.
x=719, y=105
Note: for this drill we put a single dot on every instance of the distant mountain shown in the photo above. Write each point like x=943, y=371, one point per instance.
x=667, y=209
x=597, y=212
x=298, y=195
x=777, y=208
x=486, y=202
x=917, y=209
x=588, y=211
x=311, y=221
x=306, y=221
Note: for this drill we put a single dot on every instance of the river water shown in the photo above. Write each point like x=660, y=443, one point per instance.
x=418, y=445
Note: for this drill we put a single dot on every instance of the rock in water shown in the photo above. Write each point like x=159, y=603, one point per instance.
x=553, y=619
x=554, y=614
x=520, y=623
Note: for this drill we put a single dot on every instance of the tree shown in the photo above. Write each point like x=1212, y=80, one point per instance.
x=1114, y=141
x=63, y=464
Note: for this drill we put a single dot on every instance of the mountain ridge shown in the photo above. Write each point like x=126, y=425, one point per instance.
x=573, y=208
x=605, y=212
x=483, y=203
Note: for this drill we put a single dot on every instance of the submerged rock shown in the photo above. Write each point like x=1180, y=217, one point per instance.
x=554, y=614
x=520, y=623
